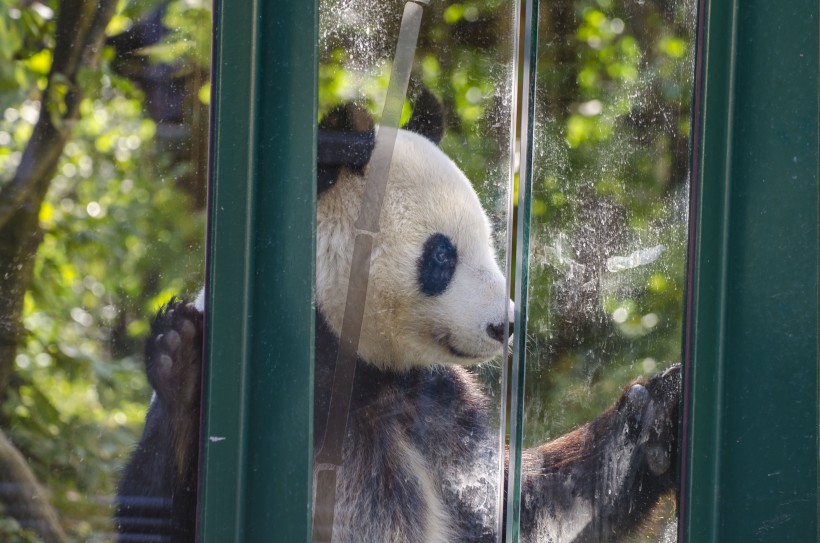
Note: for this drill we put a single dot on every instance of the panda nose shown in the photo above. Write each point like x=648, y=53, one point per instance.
x=496, y=331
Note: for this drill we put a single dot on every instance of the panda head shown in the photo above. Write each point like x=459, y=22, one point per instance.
x=435, y=293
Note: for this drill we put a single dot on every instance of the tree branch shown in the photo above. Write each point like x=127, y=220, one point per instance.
x=79, y=39
x=23, y=497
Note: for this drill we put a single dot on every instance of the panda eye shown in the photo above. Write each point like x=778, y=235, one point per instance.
x=437, y=264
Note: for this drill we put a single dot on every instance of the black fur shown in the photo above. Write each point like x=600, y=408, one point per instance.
x=387, y=403
x=437, y=264
x=428, y=116
x=641, y=430
x=346, y=139
x=347, y=136
x=156, y=497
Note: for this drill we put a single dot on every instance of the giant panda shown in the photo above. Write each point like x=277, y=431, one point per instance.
x=419, y=456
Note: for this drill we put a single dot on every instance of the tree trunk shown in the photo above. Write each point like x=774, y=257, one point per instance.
x=22, y=496
x=79, y=37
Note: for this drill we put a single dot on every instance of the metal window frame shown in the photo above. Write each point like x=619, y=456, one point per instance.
x=750, y=453
x=258, y=450
x=749, y=467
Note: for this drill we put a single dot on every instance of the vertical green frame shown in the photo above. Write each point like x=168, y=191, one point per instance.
x=749, y=471
x=257, y=468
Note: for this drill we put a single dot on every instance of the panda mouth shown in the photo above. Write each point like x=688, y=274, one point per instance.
x=455, y=352
x=444, y=339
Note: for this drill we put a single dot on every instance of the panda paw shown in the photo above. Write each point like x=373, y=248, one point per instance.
x=650, y=413
x=173, y=354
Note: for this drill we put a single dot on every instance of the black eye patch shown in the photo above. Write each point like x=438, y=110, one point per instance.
x=437, y=264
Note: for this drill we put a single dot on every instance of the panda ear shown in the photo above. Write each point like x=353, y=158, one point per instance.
x=346, y=138
x=428, y=116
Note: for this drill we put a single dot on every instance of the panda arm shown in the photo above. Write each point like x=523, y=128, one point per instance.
x=600, y=482
x=156, y=496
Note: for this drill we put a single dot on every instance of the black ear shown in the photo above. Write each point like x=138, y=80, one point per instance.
x=428, y=116
x=346, y=138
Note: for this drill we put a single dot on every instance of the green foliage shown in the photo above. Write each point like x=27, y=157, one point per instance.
x=463, y=57
x=26, y=33
x=609, y=184
x=12, y=532
x=119, y=237
x=190, y=42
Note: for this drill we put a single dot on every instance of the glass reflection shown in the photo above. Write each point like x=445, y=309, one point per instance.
x=103, y=148
x=606, y=262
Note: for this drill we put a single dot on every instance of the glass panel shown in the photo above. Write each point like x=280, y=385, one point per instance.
x=607, y=246
x=416, y=455
x=103, y=150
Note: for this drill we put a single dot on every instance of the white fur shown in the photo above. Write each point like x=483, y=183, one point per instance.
x=199, y=302
x=426, y=194
x=436, y=519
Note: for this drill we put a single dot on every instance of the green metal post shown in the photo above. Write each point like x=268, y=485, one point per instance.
x=256, y=474
x=750, y=461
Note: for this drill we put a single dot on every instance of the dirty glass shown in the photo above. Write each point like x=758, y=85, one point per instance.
x=103, y=150
x=408, y=386
x=607, y=232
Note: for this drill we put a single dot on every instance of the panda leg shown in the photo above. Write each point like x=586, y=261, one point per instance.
x=601, y=481
x=156, y=498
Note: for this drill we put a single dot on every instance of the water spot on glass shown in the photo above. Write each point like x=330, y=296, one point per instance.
x=640, y=257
